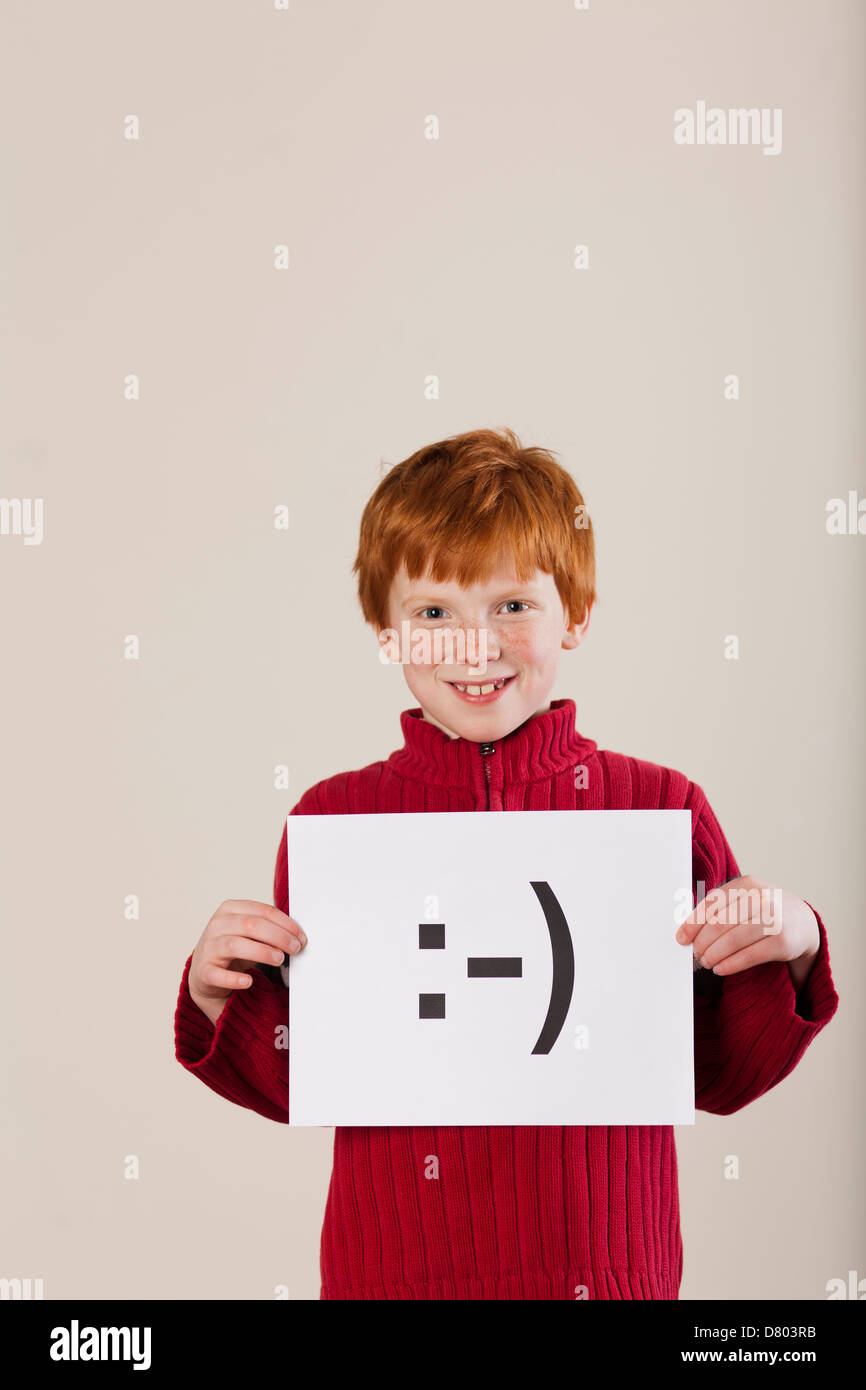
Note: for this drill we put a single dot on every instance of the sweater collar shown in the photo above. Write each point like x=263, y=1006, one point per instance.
x=545, y=744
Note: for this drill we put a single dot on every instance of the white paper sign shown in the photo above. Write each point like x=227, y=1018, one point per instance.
x=517, y=968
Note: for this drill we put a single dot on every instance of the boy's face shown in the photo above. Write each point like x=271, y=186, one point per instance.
x=502, y=629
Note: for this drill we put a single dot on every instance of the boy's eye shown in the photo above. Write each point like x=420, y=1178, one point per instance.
x=518, y=601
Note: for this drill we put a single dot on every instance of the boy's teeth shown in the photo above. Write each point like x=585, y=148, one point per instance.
x=481, y=689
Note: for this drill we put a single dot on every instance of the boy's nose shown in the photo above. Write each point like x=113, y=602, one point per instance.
x=479, y=640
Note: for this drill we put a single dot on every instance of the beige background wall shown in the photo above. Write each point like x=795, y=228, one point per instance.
x=261, y=387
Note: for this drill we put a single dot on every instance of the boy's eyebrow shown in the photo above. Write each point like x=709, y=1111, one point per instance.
x=529, y=588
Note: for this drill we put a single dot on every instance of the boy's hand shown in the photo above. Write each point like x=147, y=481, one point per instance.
x=747, y=922
x=240, y=933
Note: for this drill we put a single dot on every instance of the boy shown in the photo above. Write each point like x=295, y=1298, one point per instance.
x=493, y=541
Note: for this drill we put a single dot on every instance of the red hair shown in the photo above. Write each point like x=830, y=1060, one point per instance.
x=465, y=506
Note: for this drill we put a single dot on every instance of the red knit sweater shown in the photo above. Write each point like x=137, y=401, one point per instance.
x=515, y=1212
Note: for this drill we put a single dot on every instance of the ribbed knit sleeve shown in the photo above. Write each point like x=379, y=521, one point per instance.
x=752, y=1027
x=244, y=1057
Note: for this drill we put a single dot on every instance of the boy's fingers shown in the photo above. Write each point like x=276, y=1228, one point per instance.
x=727, y=943
x=732, y=916
x=249, y=907
x=704, y=938
x=264, y=946
x=262, y=929
x=689, y=929
x=714, y=914
x=758, y=954
x=215, y=977
x=712, y=905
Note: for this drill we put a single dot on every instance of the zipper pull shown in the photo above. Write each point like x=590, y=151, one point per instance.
x=494, y=800
x=486, y=750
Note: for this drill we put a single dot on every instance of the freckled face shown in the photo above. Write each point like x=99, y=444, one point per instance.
x=526, y=628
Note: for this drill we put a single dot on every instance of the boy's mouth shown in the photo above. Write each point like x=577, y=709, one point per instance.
x=481, y=693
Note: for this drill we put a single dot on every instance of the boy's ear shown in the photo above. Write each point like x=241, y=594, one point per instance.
x=575, y=634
